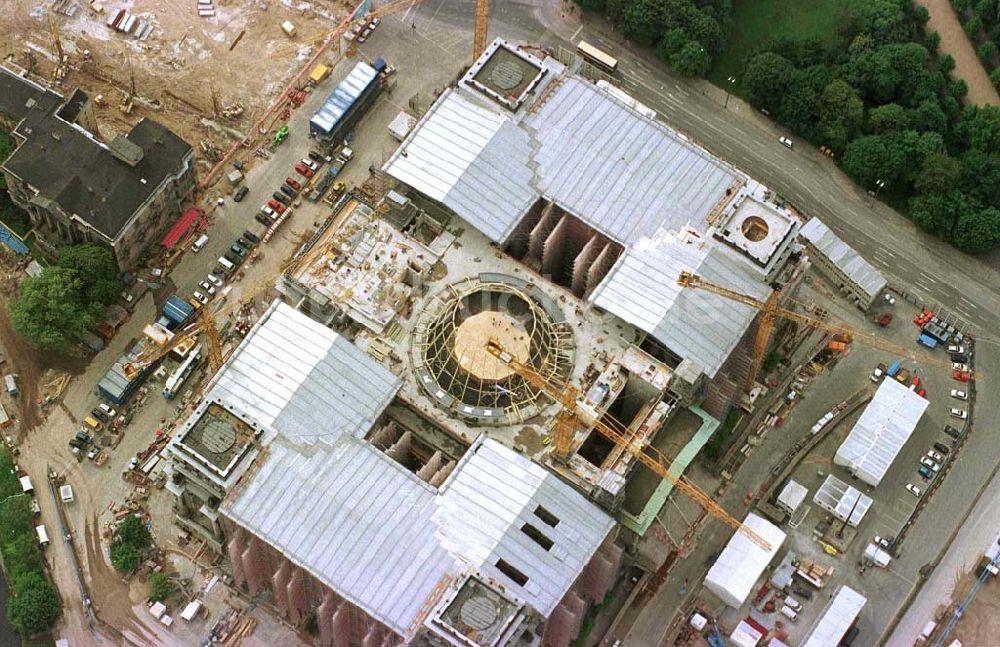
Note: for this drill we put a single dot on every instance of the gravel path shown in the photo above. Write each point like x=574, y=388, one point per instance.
x=955, y=42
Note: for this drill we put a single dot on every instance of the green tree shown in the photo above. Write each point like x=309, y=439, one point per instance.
x=97, y=269
x=888, y=118
x=932, y=41
x=16, y=516
x=938, y=174
x=125, y=557
x=981, y=127
x=160, y=587
x=946, y=63
x=840, y=113
x=995, y=77
x=981, y=176
x=987, y=52
x=9, y=485
x=929, y=117
x=766, y=78
x=50, y=311
x=973, y=27
x=935, y=212
x=34, y=605
x=691, y=60
x=672, y=42
x=977, y=230
x=644, y=20
x=132, y=531
x=798, y=110
x=21, y=555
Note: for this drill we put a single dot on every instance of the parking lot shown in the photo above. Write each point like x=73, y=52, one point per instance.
x=893, y=505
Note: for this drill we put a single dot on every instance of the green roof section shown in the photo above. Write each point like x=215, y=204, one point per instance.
x=640, y=523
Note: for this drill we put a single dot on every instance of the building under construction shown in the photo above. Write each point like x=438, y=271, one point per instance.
x=369, y=459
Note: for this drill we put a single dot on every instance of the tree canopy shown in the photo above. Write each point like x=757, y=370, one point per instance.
x=54, y=309
x=34, y=606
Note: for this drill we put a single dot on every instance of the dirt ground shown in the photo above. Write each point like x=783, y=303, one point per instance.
x=981, y=623
x=955, y=42
x=177, y=66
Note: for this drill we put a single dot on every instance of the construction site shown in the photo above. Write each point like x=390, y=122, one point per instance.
x=208, y=75
x=501, y=391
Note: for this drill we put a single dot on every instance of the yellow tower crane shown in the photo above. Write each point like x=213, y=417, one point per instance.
x=481, y=28
x=770, y=310
x=575, y=412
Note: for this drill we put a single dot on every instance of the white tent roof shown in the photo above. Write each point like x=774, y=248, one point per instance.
x=742, y=562
x=840, y=499
x=836, y=619
x=881, y=431
x=793, y=495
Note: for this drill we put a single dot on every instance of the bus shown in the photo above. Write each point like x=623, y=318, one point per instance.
x=596, y=57
x=176, y=379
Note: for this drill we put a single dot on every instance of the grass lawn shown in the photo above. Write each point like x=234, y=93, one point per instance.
x=755, y=21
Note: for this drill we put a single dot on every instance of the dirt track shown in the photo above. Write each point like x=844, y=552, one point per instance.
x=955, y=42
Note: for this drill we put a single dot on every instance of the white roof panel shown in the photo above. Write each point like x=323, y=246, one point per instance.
x=695, y=324
x=742, y=562
x=881, y=431
x=303, y=379
x=837, y=618
x=842, y=255
x=793, y=495
x=620, y=172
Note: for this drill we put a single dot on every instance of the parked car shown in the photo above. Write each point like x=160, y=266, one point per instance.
x=959, y=366
x=94, y=451
x=266, y=209
x=207, y=287
x=252, y=237
x=289, y=191
x=913, y=489
x=237, y=249
x=304, y=170
x=786, y=142
x=922, y=393
x=282, y=198
x=926, y=473
x=235, y=259
x=960, y=357
x=959, y=394
x=891, y=300
x=263, y=219
x=958, y=413
x=292, y=182
x=941, y=447
x=951, y=431
x=241, y=193
x=374, y=22
x=97, y=413
x=956, y=348
x=961, y=376
x=934, y=456
x=930, y=464
x=244, y=243
x=215, y=280
x=200, y=298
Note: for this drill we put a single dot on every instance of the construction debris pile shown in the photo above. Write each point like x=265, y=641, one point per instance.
x=230, y=630
x=131, y=24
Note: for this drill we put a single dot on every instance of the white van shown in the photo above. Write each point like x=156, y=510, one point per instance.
x=201, y=242
x=43, y=537
x=789, y=613
x=226, y=265
x=26, y=485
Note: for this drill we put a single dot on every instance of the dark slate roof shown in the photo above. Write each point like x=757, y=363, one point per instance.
x=71, y=168
x=83, y=176
x=16, y=95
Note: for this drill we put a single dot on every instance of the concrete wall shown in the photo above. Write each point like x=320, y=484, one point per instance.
x=297, y=596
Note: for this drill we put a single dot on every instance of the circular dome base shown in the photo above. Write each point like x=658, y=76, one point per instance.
x=471, y=338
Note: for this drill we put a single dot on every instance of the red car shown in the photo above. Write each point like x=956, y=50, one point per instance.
x=916, y=381
x=292, y=182
x=277, y=206
x=304, y=170
x=961, y=376
x=922, y=393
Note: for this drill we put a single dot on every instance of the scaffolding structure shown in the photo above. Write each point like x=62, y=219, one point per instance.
x=447, y=347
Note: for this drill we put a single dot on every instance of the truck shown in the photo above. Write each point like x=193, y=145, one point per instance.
x=10, y=382
x=903, y=375
x=927, y=340
x=893, y=369
x=879, y=372
x=177, y=311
